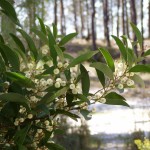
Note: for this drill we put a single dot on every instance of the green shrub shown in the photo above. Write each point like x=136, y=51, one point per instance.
x=37, y=86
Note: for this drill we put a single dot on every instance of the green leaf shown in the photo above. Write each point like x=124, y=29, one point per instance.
x=103, y=68
x=147, y=53
x=30, y=42
x=55, y=31
x=82, y=99
x=121, y=47
x=140, y=68
x=85, y=80
x=11, y=56
x=115, y=99
x=53, y=146
x=101, y=77
x=52, y=42
x=67, y=113
x=2, y=65
x=108, y=58
x=48, y=98
x=67, y=38
x=137, y=79
x=41, y=35
x=20, y=79
x=86, y=114
x=43, y=29
x=69, y=99
x=1, y=39
x=137, y=33
x=21, y=147
x=21, y=135
x=18, y=42
x=59, y=53
x=82, y=58
x=14, y=97
x=8, y=9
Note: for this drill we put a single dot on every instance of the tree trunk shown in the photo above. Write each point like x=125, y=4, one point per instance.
x=149, y=18
x=118, y=18
x=112, y=17
x=134, y=20
x=43, y=11
x=123, y=18
x=55, y=12
x=142, y=30
x=62, y=18
x=93, y=26
x=106, y=21
x=75, y=15
x=127, y=18
x=87, y=21
x=81, y=18
x=7, y=26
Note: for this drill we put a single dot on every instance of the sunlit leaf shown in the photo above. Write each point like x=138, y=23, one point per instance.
x=140, y=68
x=108, y=58
x=115, y=99
x=82, y=58
x=103, y=68
x=67, y=38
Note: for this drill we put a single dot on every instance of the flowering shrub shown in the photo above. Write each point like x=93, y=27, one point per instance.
x=145, y=145
x=37, y=86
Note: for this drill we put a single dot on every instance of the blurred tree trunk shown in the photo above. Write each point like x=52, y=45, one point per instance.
x=142, y=30
x=118, y=17
x=82, y=18
x=106, y=21
x=149, y=18
x=127, y=18
x=75, y=14
x=111, y=14
x=55, y=12
x=93, y=26
x=7, y=26
x=134, y=20
x=62, y=18
x=87, y=22
x=43, y=10
x=123, y=18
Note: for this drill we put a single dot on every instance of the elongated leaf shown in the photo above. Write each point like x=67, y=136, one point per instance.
x=108, y=58
x=101, y=77
x=86, y=114
x=55, y=31
x=67, y=113
x=14, y=97
x=8, y=9
x=11, y=56
x=30, y=42
x=21, y=147
x=52, y=42
x=48, y=98
x=85, y=80
x=115, y=99
x=43, y=29
x=121, y=47
x=41, y=35
x=82, y=58
x=59, y=53
x=2, y=65
x=53, y=146
x=147, y=53
x=137, y=79
x=18, y=42
x=103, y=68
x=21, y=135
x=67, y=38
x=1, y=39
x=140, y=68
x=20, y=79
x=137, y=33
x=22, y=55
